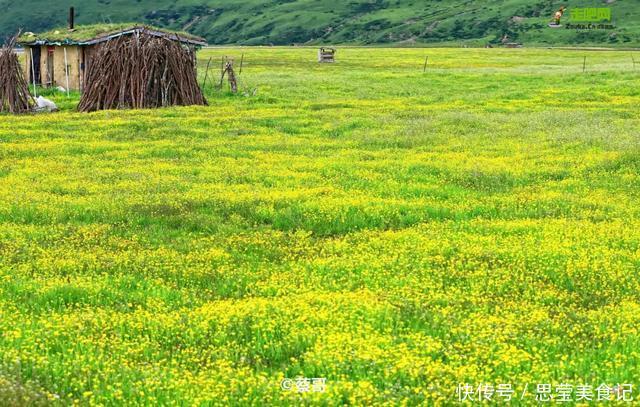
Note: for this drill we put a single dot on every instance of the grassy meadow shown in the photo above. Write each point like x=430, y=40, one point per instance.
x=394, y=231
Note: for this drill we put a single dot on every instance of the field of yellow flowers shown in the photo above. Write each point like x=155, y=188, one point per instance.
x=392, y=231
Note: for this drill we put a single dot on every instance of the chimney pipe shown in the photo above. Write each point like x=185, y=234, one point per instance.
x=72, y=15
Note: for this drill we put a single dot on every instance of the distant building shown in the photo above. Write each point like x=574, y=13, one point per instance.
x=51, y=55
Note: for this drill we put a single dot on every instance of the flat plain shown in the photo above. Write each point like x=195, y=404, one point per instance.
x=393, y=230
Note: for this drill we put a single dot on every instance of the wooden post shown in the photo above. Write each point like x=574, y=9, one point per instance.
x=80, y=54
x=426, y=60
x=241, y=63
x=66, y=68
x=221, y=72
x=634, y=61
x=233, y=84
x=72, y=15
x=80, y=76
x=206, y=74
x=33, y=74
x=584, y=65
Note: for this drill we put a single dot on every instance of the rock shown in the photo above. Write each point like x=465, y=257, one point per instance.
x=45, y=105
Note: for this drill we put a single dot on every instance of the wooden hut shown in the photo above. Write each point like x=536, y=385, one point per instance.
x=62, y=57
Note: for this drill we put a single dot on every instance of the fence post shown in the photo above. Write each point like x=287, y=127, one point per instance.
x=206, y=74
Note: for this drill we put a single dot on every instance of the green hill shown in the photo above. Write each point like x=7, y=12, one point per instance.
x=283, y=22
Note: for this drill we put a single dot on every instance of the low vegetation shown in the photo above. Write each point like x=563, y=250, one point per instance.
x=394, y=231
x=89, y=32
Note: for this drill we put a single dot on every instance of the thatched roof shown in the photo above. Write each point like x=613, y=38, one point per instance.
x=94, y=34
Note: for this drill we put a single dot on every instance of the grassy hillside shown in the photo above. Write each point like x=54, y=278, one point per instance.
x=321, y=21
x=393, y=231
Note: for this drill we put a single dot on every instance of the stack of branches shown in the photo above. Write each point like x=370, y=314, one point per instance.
x=14, y=90
x=141, y=71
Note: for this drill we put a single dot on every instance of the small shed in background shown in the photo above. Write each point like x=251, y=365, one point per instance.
x=327, y=55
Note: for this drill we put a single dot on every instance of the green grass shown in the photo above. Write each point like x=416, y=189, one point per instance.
x=394, y=231
x=405, y=22
x=85, y=33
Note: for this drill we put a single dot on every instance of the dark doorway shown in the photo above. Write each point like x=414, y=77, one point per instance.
x=34, y=69
x=51, y=78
